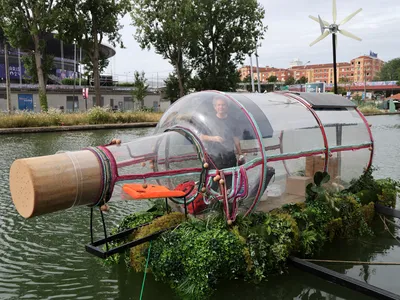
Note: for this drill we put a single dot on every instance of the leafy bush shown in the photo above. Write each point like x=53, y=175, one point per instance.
x=98, y=115
x=193, y=257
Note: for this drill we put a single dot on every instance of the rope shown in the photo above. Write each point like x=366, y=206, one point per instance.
x=387, y=228
x=145, y=272
x=106, y=175
x=355, y=262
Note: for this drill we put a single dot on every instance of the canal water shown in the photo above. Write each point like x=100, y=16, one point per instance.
x=44, y=257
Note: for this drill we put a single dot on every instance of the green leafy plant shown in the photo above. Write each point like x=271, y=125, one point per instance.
x=316, y=192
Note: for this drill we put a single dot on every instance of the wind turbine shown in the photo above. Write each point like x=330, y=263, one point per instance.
x=333, y=28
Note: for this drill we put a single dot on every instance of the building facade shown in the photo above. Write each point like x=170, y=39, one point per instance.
x=359, y=69
x=69, y=100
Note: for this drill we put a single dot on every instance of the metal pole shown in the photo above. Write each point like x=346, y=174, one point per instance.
x=20, y=68
x=258, y=73
x=251, y=75
x=80, y=66
x=73, y=93
x=62, y=55
x=334, y=63
x=365, y=84
x=8, y=90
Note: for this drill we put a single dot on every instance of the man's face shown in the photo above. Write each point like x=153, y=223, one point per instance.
x=221, y=107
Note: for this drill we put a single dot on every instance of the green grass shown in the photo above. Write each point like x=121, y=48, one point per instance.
x=96, y=115
x=370, y=109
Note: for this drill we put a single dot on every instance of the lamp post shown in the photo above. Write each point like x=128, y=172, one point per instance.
x=301, y=85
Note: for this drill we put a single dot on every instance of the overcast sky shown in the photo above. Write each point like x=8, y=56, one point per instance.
x=289, y=34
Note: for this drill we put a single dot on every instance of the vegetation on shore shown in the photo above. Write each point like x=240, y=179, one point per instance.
x=199, y=253
x=55, y=117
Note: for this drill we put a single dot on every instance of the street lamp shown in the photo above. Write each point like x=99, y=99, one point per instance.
x=126, y=74
x=301, y=85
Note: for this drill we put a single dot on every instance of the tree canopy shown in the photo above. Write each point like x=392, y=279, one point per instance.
x=140, y=87
x=169, y=26
x=390, y=71
x=26, y=25
x=87, y=23
x=212, y=36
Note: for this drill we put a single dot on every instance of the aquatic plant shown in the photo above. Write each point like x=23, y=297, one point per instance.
x=197, y=254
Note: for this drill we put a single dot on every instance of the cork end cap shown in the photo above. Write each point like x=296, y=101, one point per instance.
x=22, y=188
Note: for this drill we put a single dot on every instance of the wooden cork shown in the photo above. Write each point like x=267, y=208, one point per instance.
x=41, y=185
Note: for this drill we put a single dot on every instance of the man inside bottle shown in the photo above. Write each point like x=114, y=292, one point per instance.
x=224, y=139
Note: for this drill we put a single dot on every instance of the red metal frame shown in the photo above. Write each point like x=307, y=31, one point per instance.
x=370, y=136
x=321, y=126
x=260, y=144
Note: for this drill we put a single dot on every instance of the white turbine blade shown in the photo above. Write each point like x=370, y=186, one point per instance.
x=321, y=37
x=350, y=35
x=349, y=17
x=317, y=20
x=334, y=12
x=321, y=24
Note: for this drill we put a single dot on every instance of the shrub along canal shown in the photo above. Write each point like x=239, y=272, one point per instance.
x=44, y=257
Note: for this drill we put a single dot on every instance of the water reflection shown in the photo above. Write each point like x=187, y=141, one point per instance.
x=44, y=257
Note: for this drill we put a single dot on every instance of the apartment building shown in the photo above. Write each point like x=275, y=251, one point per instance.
x=357, y=70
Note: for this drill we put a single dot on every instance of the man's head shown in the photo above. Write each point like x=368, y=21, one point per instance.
x=220, y=105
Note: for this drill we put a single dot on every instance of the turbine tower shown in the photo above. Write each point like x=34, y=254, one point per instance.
x=333, y=29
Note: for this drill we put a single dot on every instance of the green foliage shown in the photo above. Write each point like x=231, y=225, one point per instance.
x=87, y=23
x=388, y=191
x=290, y=80
x=193, y=257
x=316, y=192
x=30, y=66
x=212, y=36
x=88, y=65
x=138, y=253
x=43, y=101
x=70, y=81
x=98, y=115
x=31, y=119
x=169, y=26
x=390, y=70
x=172, y=92
x=26, y=25
x=272, y=78
x=131, y=221
x=368, y=189
x=302, y=80
x=140, y=87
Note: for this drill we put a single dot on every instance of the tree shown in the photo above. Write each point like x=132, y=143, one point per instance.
x=169, y=26
x=27, y=22
x=247, y=79
x=88, y=22
x=302, y=80
x=30, y=67
x=4, y=45
x=272, y=78
x=140, y=87
x=290, y=80
x=88, y=66
x=172, y=89
x=230, y=30
x=390, y=70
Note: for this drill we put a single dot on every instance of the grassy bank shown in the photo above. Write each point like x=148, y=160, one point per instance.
x=95, y=115
x=370, y=110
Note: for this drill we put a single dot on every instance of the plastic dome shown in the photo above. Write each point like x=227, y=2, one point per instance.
x=285, y=138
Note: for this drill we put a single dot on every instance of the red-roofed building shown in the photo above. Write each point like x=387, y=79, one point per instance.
x=358, y=69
